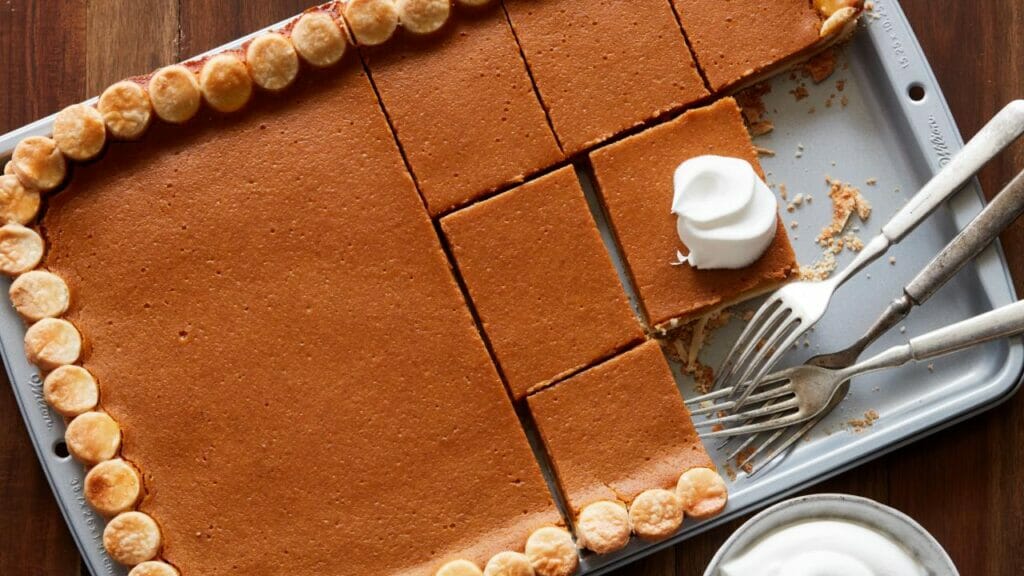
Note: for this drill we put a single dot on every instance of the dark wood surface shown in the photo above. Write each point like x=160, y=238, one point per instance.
x=965, y=485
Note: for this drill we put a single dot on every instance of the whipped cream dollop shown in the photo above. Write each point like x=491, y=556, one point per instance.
x=824, y=548
x=726, y=213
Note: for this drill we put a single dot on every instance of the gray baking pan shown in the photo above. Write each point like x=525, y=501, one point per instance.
x=889, y=124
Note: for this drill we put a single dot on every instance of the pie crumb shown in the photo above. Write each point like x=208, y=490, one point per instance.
x=821, y=66
x=861, y=424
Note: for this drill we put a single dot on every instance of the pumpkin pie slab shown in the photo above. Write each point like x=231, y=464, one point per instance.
x=737, y=42
x=617, y=429
x=634, y=183
x=463, y=108
x=541, y=280
x=590, y=58
x=253, y=290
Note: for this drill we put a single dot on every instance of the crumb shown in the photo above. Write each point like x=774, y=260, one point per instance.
x=852, y=242
x=751, y=103
x=833, y=162
x=798, y=199
x=812, y=110
x=892, y=260
x=844, y=101
x=800, y=92
x=761, y=127
x=799, y=151
x=903, y=329
x=868, y=276
x=761, y=151
x=846, y=201
x=820, y=269
x=783, y=192
x=821, y=66
x=691, y=340
x=841, y=84
x=931, y=367
x=807, y=343
x=871, y=181
x=730, y=472
x=748, y=315
x=794, y=224
x=861, y=424
x=896, y=190
x=741, y=459
x=808, y=198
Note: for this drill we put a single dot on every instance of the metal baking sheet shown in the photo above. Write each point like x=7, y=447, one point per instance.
x=881, y=133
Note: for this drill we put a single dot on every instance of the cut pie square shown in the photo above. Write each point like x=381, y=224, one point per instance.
x=256, y=290
x=634, y=181
x=736, y=41
x=541, y=280
x=588, y=57
x=463, y=108
x=617, y=430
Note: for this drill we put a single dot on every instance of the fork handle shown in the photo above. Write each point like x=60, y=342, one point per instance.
x=999, y=132
x=1004, y=208
x=1005, y=321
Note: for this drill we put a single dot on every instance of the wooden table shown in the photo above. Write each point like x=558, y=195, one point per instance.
x=963, y=484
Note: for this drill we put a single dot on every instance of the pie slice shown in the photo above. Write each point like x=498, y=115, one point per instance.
x=541, y=280
x=463, y=108
x=634, y=182
x=606, y=49
x=737, y=42
x=618, y=430
x=275, y=327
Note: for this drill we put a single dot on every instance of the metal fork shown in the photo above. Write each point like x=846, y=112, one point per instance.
x=794, y=308
x=995, y=217
x=805, y=391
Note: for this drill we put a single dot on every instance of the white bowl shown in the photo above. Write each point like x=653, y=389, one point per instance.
x=896, y=524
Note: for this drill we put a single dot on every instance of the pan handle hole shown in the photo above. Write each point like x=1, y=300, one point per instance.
x=60, y=449
x=916, y=92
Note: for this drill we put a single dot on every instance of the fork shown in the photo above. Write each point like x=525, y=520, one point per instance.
x=793, y=309
x=996, y=216
x=805, y=391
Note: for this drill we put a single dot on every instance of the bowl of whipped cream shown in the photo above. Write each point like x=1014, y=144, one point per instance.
x=831, y=535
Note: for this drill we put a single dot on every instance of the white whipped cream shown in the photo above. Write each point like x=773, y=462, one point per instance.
x=824, y=548
x=726, y=213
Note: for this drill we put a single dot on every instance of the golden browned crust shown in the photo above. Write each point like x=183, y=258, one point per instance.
x=79, y=132
x=175, y=94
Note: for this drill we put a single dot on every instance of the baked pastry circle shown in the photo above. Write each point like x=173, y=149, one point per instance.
x=93, y=437
x=112, y=487
x=154, y=568
x=39, y=163
x=132, y=538
x=17, y=203
x=603, y=526
x=52, y=342
x=71, y=390
x=225, y=83
x=423, y=16
x=272, y=60
x=552, y=552
x=21, y=249
x=174, y=92
x=319, y=39
x=79, y=132
x=702, y=491
x=126, y=109
x=39, y=294
x=372, y=22
x=509, y=564
x=656, y=514
x=459, y=568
